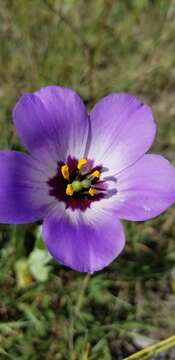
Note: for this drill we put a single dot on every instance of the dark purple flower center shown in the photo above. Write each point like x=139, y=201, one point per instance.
x=77, y=183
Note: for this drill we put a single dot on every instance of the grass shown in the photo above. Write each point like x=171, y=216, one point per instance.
x=96, y=47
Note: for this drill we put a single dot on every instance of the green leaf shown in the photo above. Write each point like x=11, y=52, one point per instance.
x=38, y=264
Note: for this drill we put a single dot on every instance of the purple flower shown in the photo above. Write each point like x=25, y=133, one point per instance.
x=84, y=174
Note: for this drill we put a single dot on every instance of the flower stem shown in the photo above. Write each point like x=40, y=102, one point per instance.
x=153, y=350
x=75, y=315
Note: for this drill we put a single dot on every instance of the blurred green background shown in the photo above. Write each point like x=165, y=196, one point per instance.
x=96, y=47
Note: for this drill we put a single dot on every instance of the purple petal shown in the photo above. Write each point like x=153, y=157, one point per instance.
x=86, y=242
x=123, y=129
x=52, y=123
x=146, y=189
x=23, y=189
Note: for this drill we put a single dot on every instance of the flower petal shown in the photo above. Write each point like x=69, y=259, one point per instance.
x=23, y=190
x=123, y=129
x=146, y=189
x=52, y=123
x=86, y=242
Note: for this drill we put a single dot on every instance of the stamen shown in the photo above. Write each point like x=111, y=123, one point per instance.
x=69, y=190
x=92, y=191
x=65, y=171
x=96, y=174
x=81, y=162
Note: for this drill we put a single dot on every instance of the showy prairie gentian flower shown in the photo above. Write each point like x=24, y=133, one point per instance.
x=84, y=174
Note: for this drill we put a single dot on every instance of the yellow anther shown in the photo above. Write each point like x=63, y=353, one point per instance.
x=92, y=191
x=81, y=162
x=69, y=190
x=65, y=171
x=96, y=174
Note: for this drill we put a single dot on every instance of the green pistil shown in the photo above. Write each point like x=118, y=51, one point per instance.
x=86, y=183
x=80, y=185
x=77, y=186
